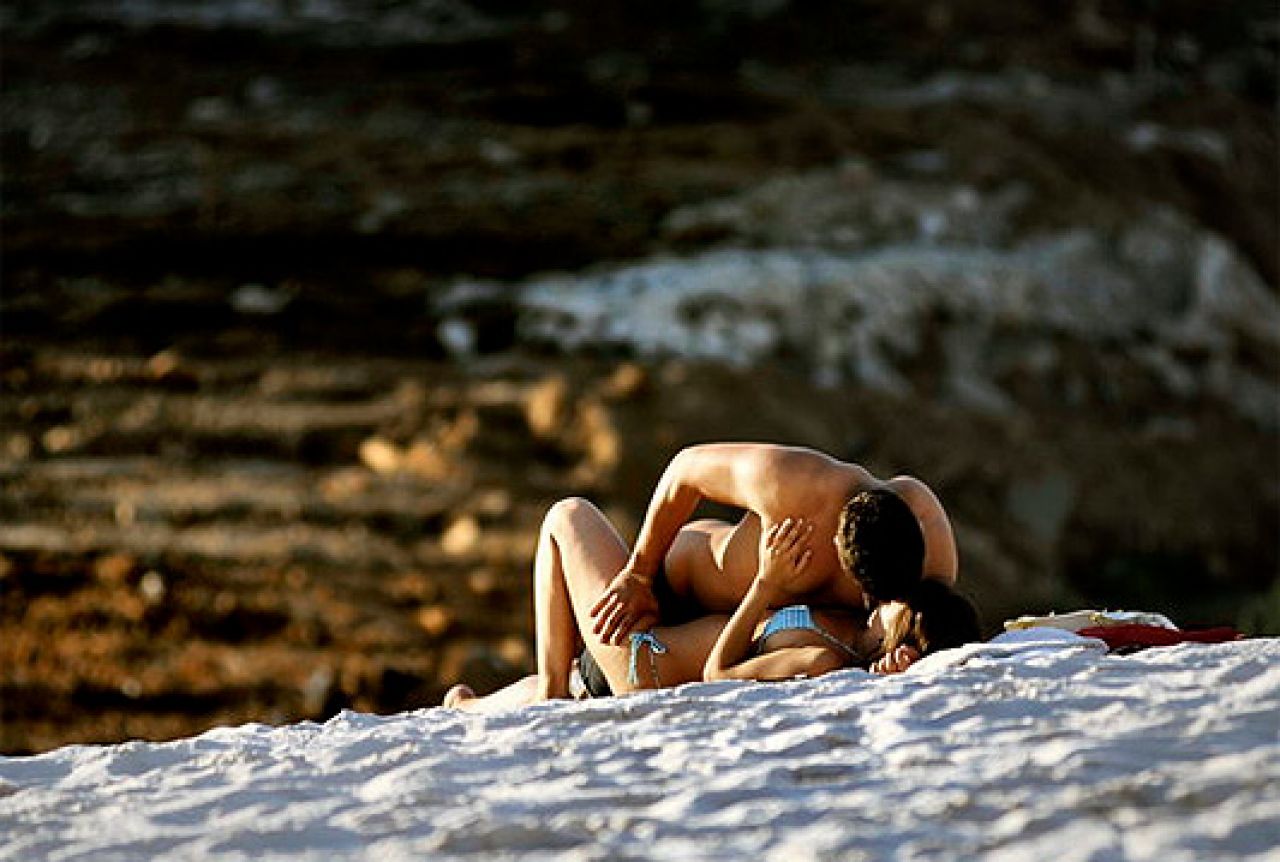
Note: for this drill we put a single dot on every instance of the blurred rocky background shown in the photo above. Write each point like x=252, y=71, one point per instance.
x=311, y=307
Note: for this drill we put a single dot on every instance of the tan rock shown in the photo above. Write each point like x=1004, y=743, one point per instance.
x=166, y=366
x=413, y=586
x=128, y=606
x=296, y=578
x=515, y=651
x=628, y=381
x=18, y=447
x=152, y=588
x=181, y=378
x=435, y=620
x=345, y=483
x=601, y=441
x=380, y=455
x=126, y=513
x=492, y=502
x=426, y=460
x=114, y=569
x=461, y=537
x=458, y=434
x=104, y=369
x=61, y=438
x=483, y=583
x=547, y=407
x=410, y=394
x=225, y=602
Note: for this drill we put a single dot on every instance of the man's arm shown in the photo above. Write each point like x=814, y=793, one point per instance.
x=771, y=480
x=940, y=558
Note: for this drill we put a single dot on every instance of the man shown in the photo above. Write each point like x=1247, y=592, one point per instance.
x=871, y=539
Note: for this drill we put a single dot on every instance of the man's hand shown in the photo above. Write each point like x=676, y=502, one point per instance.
x=627, y=605
x=896, y=660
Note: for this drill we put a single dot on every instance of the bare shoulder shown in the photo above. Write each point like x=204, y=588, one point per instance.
x=941, y=560
x=773, y=480
x=800, y=478
x=917, y=495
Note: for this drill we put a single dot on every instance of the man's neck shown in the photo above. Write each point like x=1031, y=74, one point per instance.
x=840, y=591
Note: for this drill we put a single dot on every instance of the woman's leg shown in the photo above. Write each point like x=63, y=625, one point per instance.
x=578, y=553
x=519, y=693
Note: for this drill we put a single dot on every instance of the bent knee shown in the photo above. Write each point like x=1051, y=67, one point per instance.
x=568, y=511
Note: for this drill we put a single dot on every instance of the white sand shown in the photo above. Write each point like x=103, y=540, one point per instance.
x=1014, y=750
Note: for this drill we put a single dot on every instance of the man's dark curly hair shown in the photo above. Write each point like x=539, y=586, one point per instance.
x=880, y=544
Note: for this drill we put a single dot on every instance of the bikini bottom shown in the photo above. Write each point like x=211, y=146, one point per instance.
x=597, y=684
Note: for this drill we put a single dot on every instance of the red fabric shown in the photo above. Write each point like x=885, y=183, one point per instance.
x=1135, y=635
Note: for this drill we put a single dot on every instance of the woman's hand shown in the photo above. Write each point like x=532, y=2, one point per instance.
x=784, y=557
x=626, y=605
x=896, y=660
x=784, y=553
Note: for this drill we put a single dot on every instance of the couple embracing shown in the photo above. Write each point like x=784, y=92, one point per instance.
x=830, y=567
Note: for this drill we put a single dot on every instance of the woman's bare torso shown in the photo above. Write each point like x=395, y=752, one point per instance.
x=688, y=645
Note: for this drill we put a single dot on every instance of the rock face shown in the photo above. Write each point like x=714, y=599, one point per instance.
x=310, y=309
x=1162, y=301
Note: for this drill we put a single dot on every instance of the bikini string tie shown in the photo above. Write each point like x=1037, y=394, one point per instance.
x=656, y=648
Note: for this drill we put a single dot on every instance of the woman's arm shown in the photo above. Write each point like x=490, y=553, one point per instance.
x=783, y=664
x=733, y=647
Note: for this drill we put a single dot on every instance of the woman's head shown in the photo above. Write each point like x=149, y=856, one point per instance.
x=933, y=617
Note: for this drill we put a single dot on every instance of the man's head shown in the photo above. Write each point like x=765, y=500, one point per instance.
x=880, y=543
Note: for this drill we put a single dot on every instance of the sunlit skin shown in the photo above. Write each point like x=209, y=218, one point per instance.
x=579, y=550
x=786, y=552
x=710, y=564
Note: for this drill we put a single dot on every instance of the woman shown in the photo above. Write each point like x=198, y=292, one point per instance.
x=578, y=554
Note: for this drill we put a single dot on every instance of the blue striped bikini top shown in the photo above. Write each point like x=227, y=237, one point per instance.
x=800, y=617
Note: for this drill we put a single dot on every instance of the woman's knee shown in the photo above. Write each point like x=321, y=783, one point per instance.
x=569, y=511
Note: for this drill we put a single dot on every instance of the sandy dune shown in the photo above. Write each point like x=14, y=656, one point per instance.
x=1037, y=745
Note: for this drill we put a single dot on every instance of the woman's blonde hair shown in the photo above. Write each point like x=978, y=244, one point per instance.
x=937, y=618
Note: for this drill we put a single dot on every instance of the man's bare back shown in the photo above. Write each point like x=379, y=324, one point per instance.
x=712, y=563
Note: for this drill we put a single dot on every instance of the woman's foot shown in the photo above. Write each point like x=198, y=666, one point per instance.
x=456, y=696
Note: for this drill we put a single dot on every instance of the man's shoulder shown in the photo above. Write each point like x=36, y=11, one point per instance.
x=909, y=487
x=916, y=494
x=940, y=546
x=819, y=477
